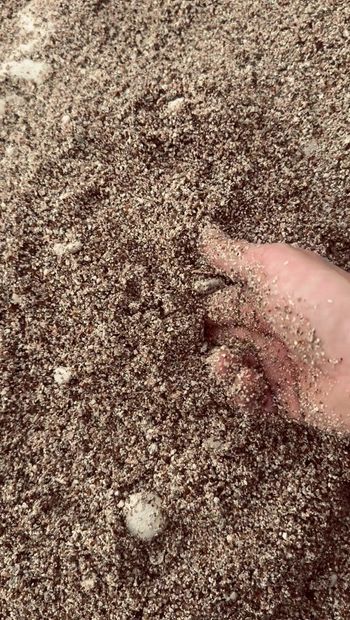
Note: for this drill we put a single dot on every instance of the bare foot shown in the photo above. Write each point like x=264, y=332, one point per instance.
x=293, y=308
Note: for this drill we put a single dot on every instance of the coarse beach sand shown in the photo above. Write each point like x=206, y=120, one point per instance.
x=125, y=127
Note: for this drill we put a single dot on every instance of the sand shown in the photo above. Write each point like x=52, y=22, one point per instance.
x=125, y=127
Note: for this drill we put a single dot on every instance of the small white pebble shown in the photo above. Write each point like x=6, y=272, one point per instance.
x=25, y=69
x=143, y=515
x=17, y=299
x=62, y=375
x=212, y=444
x=210, y=285
x=66, y=248
x=176, y=104
x=231, y=597
x=333, y=579
x=229, y=538
x=153, y=448
x=311, y=147
x=88, y=583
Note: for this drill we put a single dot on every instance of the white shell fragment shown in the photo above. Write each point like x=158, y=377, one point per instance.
x=207, y=286
x=176, y=104
x=143, y=515
x=60, y=249
x=62, y=375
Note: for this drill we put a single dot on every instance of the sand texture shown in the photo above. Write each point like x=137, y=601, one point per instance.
x=125, y=126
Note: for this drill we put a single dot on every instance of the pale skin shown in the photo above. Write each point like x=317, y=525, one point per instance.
x=293, y=307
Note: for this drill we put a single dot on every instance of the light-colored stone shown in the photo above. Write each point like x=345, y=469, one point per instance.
x=71, y=247
x=208, y=285
x=176, y=104
x=88, y=583
x=143, y=515
x=25, y=69
x=62, y=375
